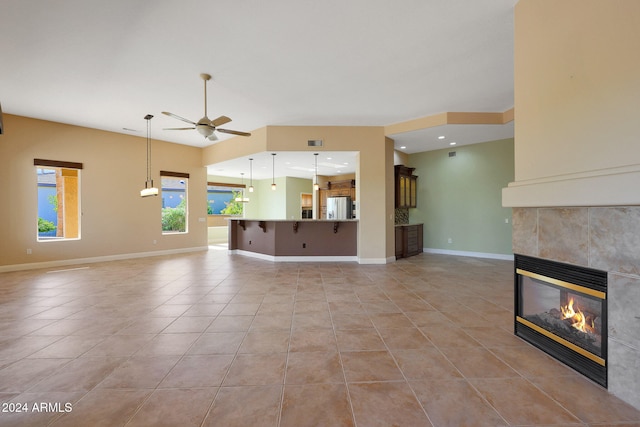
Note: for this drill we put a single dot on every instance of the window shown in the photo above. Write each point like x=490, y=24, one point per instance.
x=58, y=200
x=225, y=199
x=175, y=212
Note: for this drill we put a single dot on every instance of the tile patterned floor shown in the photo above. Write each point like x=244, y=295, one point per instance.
x=209, y=339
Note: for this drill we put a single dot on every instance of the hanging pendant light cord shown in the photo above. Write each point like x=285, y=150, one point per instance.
x=148, y=118
x=148, y=153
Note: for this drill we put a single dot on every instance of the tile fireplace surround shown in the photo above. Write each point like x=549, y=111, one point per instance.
x=605, y=238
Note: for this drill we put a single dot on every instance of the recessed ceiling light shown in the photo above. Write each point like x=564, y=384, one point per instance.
x=452, y=143
x=402, y=147
x=346, y=163
x=329, y=158
x=441, y=137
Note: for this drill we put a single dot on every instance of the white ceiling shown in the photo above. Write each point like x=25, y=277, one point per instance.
x=106, y=65
x=290, y=163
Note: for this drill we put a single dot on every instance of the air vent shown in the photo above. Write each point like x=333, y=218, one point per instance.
x=452, y=153
x=314, y=143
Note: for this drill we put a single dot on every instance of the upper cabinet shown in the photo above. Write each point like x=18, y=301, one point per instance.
x=334, y=189
x=306, y=200
x=406, y=187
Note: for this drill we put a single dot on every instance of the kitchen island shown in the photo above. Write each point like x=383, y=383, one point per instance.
x=295, y=240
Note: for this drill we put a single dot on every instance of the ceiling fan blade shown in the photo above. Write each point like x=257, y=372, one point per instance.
x=213, y=137
x=178, y=128
x=177, y=117
x=234, y=132
x=220, y=121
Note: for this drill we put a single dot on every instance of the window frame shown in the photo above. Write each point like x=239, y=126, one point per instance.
x=75, y=197
x=175, y=175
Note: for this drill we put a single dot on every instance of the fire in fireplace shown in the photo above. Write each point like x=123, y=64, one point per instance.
x=562, y=309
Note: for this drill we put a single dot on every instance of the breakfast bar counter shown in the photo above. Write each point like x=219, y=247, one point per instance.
x=295, y=240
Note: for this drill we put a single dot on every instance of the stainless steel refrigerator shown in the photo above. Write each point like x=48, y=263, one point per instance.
x=339, y=207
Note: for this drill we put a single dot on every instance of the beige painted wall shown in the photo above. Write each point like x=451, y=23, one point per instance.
x=577, y=96
x=115, y=219
x=374, y=189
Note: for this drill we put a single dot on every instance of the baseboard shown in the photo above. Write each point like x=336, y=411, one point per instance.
x=93, y=260
x=376, y=261
x=469, y=254
x=274, y=258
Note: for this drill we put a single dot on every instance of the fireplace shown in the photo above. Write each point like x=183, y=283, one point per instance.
x=562, y=309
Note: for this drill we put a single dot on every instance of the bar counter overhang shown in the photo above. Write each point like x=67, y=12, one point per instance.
x=305, y=240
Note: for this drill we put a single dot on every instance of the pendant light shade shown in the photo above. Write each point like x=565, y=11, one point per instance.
x=316, y=186
x=250, y=175
x=273, y=180
x=242, y=199
x=149, y=189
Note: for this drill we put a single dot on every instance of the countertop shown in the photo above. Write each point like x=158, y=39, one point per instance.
x=409, y=225
x=293, y=220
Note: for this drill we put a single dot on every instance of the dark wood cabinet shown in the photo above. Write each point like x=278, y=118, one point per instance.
x=406, y=187
x=408, y=240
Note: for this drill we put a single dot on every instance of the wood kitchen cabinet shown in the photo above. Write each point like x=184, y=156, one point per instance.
x=342, y=188
x=322, y=200
x=306, y=200
x=406, y=187
x=334, y=189
x=408, y=240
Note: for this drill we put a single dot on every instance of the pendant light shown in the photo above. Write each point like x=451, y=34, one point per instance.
x=316, y=186
x=242, y=199
x=273, y=180
x=149, y=189
x=251, y=175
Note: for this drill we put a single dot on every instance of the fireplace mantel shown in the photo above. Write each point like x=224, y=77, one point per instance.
x=606, y=187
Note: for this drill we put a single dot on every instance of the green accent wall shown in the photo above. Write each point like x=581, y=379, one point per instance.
x=295, y=188
x=460, y=197
x=283, y=203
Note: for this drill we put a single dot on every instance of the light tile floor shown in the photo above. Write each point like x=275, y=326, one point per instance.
x=211, y=339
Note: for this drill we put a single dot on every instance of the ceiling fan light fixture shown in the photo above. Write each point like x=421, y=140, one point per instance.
x=204, y=126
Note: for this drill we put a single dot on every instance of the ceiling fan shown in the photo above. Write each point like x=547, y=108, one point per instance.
x=204, y=126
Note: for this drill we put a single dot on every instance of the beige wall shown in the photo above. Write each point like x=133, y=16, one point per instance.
x=374, y=189
x=577, y=96
x=115, y=219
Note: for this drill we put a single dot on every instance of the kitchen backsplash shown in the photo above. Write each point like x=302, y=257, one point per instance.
x=402, y=216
